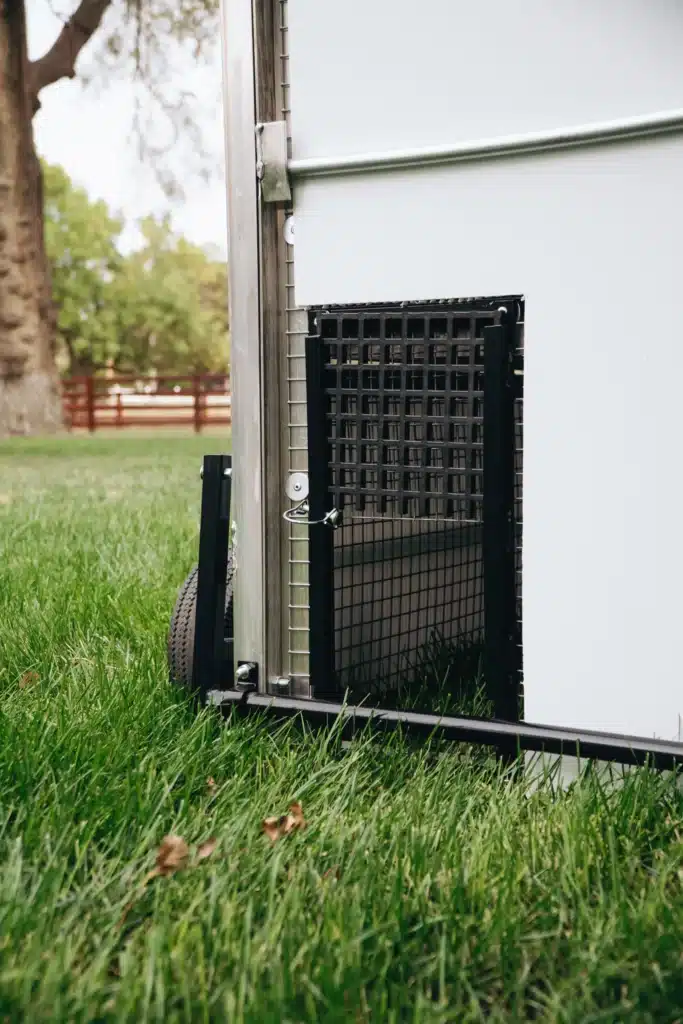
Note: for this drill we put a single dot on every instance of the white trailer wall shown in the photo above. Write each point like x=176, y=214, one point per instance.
x=591, y=237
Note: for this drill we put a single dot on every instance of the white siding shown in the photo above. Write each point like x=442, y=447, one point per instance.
x=593, y=238
x=370, y=75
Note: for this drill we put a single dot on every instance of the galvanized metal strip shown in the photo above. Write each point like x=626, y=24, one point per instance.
x=622, y=129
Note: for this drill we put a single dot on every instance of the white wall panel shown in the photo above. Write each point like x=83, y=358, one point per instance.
x=374, y=75
x=593, y=239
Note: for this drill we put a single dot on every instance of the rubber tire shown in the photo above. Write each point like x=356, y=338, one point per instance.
x=180, y=649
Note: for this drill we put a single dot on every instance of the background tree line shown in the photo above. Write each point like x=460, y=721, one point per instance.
x=162, y=307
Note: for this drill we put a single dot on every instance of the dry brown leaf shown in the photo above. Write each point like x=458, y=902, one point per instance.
x=274, y=828
x=28, y=679
x=172, y=855
x=271, y=827
x=205, y=850
x=296, y=812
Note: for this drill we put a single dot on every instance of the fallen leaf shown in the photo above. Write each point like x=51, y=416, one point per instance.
x=28, y=679
x=296, y=814
x=205, y=850
x=274, y=828
x=172, y=855
x=271, y=827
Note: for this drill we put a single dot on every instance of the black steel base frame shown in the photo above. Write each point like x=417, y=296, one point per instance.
x=662, y=755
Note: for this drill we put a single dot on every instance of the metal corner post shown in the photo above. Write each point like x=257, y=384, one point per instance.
x=270, y=259
x=250, y=325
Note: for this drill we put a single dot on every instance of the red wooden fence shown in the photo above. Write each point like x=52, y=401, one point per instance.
x=202, y=400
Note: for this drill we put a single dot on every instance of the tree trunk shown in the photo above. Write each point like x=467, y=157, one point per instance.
x=30, y=399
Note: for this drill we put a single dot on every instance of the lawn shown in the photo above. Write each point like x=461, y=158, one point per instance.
x=427, y=885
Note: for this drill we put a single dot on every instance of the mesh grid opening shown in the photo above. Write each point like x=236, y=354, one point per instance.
x=403, y=413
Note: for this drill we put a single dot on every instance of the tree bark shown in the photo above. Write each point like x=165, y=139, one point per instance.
x=30, y=400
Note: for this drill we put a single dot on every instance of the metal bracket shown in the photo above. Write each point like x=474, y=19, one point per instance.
x=271, y=161
x=280, y=686
x=246, y=676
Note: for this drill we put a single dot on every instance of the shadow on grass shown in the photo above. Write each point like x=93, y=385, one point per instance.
x=442, y=677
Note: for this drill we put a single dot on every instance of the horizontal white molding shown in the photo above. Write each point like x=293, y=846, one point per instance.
x=488, y=149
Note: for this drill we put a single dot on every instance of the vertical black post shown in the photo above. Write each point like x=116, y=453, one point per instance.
x=90, y=402
x=500, y=626
x=209, y=665
x=320, y=535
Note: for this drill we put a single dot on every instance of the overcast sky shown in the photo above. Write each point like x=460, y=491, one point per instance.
x=88, y=131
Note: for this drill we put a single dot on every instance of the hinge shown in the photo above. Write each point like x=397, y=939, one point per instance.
x=271, y=161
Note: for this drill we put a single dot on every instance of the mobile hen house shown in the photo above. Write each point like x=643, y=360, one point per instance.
x=457, y=355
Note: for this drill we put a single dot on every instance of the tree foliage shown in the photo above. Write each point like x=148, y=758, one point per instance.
x=171, y=301
x=162, y=307
x=81, y=237
x=146, y=42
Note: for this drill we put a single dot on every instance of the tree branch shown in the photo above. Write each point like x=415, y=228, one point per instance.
x=60, y=60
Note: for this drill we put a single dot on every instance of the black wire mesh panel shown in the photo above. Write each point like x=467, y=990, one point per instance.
x=402, y=412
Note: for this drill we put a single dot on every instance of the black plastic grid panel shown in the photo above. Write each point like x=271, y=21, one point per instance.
x=404, y=409
x=405, y=414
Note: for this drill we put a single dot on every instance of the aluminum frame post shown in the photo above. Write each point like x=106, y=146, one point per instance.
x=245, y=328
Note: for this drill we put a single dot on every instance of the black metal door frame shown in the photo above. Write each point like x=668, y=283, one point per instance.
x=501, y=628
x=320, y=534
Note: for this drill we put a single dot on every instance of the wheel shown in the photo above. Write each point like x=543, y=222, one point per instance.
x=181, y=634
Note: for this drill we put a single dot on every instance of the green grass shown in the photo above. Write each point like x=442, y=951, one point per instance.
x=428, y=886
